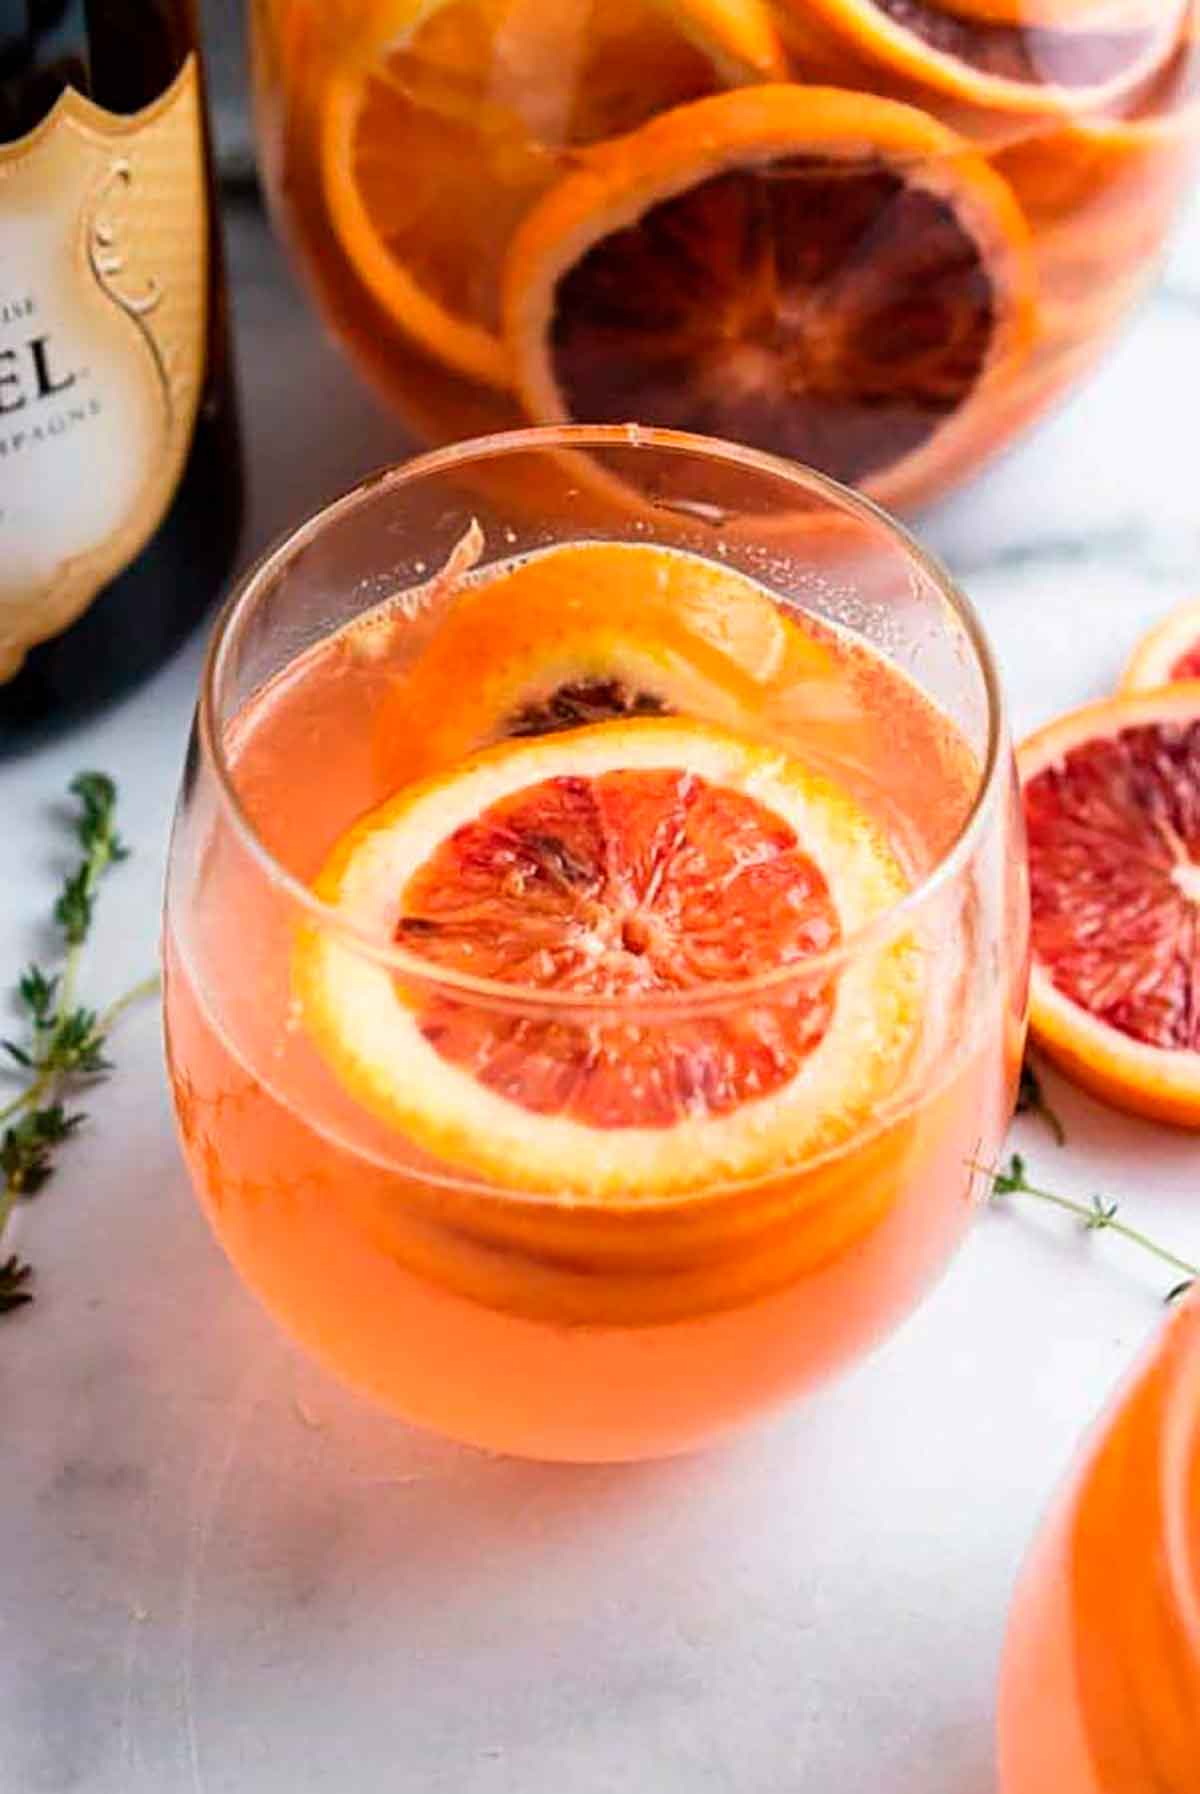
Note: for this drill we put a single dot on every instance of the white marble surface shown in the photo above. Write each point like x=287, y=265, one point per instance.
x=220, y=1573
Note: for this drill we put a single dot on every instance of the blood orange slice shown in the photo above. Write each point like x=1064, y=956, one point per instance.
x=442, y=120
x=607, y=881
x=1168, y=653
x=587, y=631
x=1112, y=804
x=1100, y=191
x=824, y=274
x=1057, y=14
x=1055, y=55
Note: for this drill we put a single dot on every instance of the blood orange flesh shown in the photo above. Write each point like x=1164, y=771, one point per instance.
x=597, y=910
x=1064, y=59
x=1114, y=835
x=831, y=275
x=1188, y=664
x=635, y=883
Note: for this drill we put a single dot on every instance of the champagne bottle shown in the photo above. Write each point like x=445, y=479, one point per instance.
x=120, y=472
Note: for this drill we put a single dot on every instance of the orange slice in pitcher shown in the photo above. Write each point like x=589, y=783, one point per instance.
x=1112, y=806
x=443, y=119
x=1057, y=14
x=587, y=631
x=824, y=274
x=1057, y=55
x=1168, y=653
x=738, y=36
x=1100, y=192
x=640, y=867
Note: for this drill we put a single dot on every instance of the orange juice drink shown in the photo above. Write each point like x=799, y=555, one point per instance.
x=595, y=959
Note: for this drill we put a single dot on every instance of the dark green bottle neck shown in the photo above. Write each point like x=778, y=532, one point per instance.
x=122, y=53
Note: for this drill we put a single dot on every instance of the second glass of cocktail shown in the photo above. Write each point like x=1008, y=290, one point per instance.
x=1100, y=1692
x=596, y=936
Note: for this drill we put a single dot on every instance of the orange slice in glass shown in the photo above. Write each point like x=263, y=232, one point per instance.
x=444, y=119
x=587, y=631
x=639, y=867
x=1112, y=806
x=1168, y=653
x=1051, y=57
x=824, y=274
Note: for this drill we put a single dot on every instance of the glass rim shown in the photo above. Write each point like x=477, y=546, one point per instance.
x=263, y=575
x=1181, y=1443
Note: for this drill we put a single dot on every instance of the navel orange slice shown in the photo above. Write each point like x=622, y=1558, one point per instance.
x=444, y=119
x=630, y=866
x=1112, y=804
x=825, y=274
x=587, y=631
x=737, y=36
x=1059, y=57
x=1168, y=653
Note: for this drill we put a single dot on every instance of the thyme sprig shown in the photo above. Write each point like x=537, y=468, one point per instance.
x=63, y=1045
x=1098, y=1215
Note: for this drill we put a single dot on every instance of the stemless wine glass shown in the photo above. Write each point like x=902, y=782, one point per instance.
x=596, y=935
x=1101, y=1685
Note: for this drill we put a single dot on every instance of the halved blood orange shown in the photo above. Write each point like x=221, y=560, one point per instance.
x=1054, y=56
x=587, y=631
x=443, y=119
x=1112, y=805
x=1168, y=653
x=825, y=274
x=641, y=866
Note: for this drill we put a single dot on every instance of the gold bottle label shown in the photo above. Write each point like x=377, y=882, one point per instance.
x=103, y=319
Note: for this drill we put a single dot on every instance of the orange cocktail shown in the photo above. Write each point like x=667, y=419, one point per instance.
x=596, y=937
x=1101, y=1685
x=879, y=236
